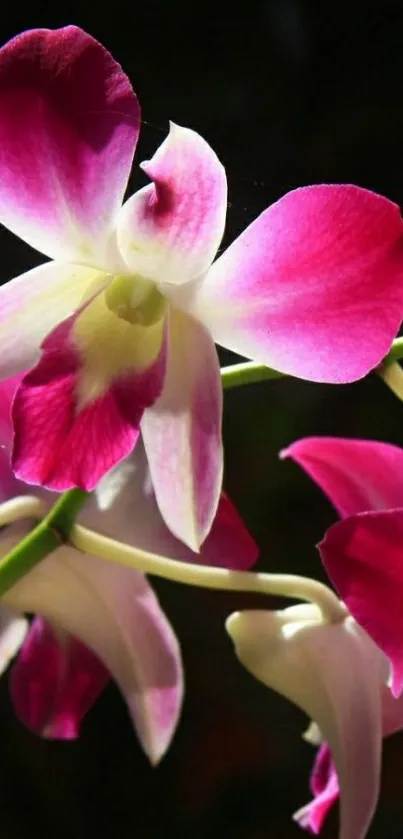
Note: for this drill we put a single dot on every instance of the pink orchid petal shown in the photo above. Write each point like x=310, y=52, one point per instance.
x=113, y=611
x=363, y=557
x=59, y=443
x=54, y=682
x=331, y=671
x=325, y=789
x=69, y=122
x=317, y=275
x=170, y=230
x=182, y=433
x=324, y=782
x=13, y=629
x=32, y=304
x=9, y=485
x=356, y=475
x=128, y=488
x=7, y=392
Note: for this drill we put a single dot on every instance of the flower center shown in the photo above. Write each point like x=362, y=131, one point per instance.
x=135, y=300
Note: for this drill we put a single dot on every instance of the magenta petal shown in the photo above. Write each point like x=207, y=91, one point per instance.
x=229, y=543
x=364, y=559
x=55, y=681
x=334, y=672
x=325, y=789
x=59, y=445
x=9, y=485
x=356, y=475
x=69, y=122
x=8, y=389
x=317, y=275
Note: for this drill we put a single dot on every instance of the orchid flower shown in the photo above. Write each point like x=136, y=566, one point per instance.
x=338, y=676
x=362, y=555
x=96, y=619
x=117, y=331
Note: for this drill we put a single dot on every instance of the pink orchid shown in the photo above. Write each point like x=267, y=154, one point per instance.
x=95, y=618
x=337, y=675
x=118, y=330
x=363, y=557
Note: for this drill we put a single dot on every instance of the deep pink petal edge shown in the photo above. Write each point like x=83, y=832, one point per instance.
x=54, y=682
x=364, y=559
x=356, y=475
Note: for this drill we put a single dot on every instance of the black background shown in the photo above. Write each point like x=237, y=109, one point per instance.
x=288, y=92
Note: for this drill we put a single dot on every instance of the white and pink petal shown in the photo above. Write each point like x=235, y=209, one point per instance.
x=182, y=433
x=317, y=275
x=114, y=612
x=170, y=231
x=69, y=123
x=32, y=304
x=324, y=786
x=333, y=673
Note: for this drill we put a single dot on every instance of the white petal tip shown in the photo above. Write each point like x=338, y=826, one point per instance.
x=301, y=817
x=155, y=750
x=154, y=756
x=233, y=624
x=312, y=735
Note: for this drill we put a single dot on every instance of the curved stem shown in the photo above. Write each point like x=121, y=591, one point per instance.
x=284, y=585
x=395, y=353
x=21, y=507
x=392, y=375
x=246, y=373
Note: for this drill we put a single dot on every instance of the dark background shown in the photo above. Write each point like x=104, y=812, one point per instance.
x=288, y=92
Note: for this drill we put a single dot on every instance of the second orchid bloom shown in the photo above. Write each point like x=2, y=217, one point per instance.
x=96, y=620
x=347, y=676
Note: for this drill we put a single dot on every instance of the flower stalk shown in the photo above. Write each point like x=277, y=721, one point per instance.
x=58, y=527
x=204, y=576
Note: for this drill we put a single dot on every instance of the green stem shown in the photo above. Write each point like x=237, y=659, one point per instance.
x=63, y=514
x=248, y=372
x=204, y=576
x=48, y=535
x=395, y=353
x=392, y=375
x=40, y=542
